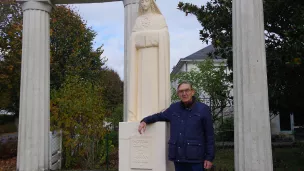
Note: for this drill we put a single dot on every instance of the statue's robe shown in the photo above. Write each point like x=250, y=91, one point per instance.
x=149, y=67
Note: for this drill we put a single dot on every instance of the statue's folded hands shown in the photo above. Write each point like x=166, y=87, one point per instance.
x=146, y=39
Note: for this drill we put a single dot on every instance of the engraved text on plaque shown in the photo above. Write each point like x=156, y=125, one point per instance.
x=141, y=153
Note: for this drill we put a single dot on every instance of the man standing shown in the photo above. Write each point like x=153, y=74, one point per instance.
x=191, y=131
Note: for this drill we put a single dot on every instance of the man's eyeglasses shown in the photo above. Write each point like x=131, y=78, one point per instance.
x=187, y=91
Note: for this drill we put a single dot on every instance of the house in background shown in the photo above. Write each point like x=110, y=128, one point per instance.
x=186, y=64
x=189, y=63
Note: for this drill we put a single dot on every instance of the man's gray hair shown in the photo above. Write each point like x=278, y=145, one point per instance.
x=184, y=82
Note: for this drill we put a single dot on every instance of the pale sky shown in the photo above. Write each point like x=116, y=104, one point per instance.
x=107, y=19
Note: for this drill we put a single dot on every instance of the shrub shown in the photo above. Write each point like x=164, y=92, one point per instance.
x=4, y=119
x=225, y=130
x=8, y=128
x=78, y=110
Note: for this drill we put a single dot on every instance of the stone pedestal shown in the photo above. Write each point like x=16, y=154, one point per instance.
x=144, y=152
x=34, y=121
x=131, y=9
x=252, y=121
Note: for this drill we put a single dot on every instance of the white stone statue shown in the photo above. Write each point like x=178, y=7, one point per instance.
x=149, y=63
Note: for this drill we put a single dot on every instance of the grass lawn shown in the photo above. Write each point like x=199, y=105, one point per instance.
x=288, y=159
x=283, y=159
x=224, y=159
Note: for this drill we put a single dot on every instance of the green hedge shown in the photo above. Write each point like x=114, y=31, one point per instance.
x=8, y=128
x=225, y=132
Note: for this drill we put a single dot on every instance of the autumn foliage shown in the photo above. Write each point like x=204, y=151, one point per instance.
x=8, y=164
x=78, y=109
x=10, y=55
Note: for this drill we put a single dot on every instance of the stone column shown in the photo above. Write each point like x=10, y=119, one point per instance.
x=252, y=123
x=131, y=9
x=34, y=121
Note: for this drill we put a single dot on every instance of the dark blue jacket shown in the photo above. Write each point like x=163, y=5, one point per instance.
x=191, y=132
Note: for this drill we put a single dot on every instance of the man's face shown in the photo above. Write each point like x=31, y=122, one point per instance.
x=145, y=4
x=185, y=93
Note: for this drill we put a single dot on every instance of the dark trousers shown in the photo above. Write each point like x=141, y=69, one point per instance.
x=188, y=166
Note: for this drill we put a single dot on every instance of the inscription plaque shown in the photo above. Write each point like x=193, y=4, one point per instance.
x=141, y=152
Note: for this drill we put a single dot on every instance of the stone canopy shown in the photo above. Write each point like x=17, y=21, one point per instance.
x=71, y=1
x=81, y=1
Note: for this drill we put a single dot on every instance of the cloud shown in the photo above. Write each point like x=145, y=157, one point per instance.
x=107, y=19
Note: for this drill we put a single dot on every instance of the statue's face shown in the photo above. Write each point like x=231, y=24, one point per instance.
x=146, y=4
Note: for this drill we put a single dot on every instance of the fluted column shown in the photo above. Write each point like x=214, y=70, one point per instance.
x=252, y=124
x=131, y=9
x=34, y=124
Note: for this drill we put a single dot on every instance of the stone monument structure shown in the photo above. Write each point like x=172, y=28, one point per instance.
x=147, y=44
x=148, y=92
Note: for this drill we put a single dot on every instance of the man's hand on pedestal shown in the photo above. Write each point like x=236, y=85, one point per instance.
x=142, y=127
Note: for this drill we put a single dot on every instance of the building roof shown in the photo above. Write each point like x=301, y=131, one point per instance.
x=201, y=54
x=196, y=56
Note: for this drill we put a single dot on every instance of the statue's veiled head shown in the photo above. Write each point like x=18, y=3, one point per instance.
x=148, y=6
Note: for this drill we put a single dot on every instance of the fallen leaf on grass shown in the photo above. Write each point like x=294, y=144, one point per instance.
x=8, y=164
